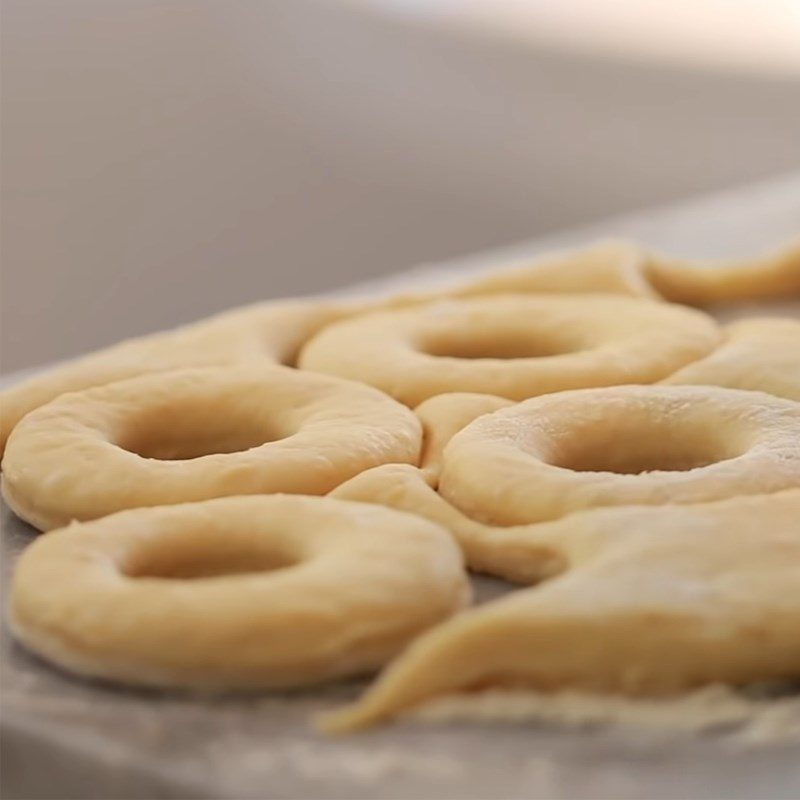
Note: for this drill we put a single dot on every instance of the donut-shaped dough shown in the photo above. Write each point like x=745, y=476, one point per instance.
x=512, y=346
x=547, y=457
x=235, y=593
x=758, y=354
x=621, y=267
x=606, y=267
x=174, y=437
x=707, y=283
x=654, y=601
x=272, y=332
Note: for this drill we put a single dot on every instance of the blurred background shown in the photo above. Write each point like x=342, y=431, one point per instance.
x=163, y=159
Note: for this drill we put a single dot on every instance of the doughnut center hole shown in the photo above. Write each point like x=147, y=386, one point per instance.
x=477, y=343
x=180, y=434
x=204, y=562
x=628, y=449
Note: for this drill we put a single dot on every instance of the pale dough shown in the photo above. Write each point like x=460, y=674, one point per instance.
x=511, y=552
x=512, y=346
x=708, y=283
x=547, y=457
x=173, y=437
x=653, y=601
x=271, y=332
x=660, y=593
x=235, y=593
x=606, y=267
x=621, y=267
x=758, y=354
x=445, y=415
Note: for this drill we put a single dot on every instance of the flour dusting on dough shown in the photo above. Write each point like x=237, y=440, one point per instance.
x=751, y=720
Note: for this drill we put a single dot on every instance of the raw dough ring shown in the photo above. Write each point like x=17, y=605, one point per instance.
x=655, y=601
x=758, y=354
x=709, y=283
x=606, y=267
x=271, y=332
x=621, y=267
x=512, y=346
x=174, y=437
x=212, y=595
x=547, y=457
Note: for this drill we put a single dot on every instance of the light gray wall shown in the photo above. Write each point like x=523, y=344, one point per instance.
x=166, y=158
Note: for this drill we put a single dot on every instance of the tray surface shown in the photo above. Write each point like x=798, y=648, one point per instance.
x=65, y=738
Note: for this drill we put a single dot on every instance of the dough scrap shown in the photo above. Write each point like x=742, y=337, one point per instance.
x=512, y=346
x=625, y=445
x=174, y=437
x=212, y=595
x=445, y=415
x=655, y=601
x=758, y=354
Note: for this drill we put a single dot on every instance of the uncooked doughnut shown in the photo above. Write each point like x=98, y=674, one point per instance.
x=235, y=593
x=758, y=354
x=606, y=267
x=512, y=346
x=272, y=332
x=654, y=601
x=173, y=437
x=707, y=283
x=547, y=457
x=621, y=267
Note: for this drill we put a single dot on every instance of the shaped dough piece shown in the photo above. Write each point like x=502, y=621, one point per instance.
x=606, y=267
x=625, y=445
x=235, y=593
x=621, y=267
x=758, y=354
x=516, y=346
x=268, y=332
x=175, y=437
x=514, y=553
x=445, y=415
x=707, y=283
x=655, y=601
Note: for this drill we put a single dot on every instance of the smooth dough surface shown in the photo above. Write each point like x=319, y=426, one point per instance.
x=271, y=332
x=621, y=267
x=605, y=267
x=512, y=346
x=654, y=601
x=445, y=415
x=235, y=593
x=707, y=283
x=758, y=354
x=547, y=457
x=511, y=553
x=174, y=437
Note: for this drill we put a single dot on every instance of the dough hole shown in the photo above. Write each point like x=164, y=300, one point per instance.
x=182, y=434
x=635, y=449
x=479, y=344
x=203, y=562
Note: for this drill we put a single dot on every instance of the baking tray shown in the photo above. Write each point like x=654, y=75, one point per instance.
x=68, y=738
